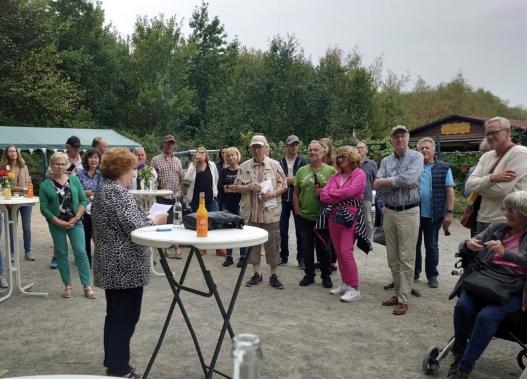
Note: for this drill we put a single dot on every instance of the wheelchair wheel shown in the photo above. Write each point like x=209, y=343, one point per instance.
x=430, y=363
x=521, y=358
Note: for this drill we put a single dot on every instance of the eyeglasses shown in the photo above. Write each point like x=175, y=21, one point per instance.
x=342, y=157
x=493, y=133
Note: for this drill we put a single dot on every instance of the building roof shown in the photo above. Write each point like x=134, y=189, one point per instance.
x=28, y=137
x=478, y=119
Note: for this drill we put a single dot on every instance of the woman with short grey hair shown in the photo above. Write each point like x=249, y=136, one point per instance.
x=503, y=247
x=517, y=201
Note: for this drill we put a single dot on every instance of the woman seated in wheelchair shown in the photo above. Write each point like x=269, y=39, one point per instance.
x=493, y=283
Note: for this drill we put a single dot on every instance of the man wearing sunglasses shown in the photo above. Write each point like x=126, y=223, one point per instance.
x=499, y=172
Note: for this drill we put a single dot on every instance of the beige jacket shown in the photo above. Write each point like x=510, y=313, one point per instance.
x=492, y=194
x=247, y=175
x=23, y=179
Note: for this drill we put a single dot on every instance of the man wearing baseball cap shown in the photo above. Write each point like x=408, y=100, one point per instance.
x=73, y=150
x=290, y=163
x=169, y=177
x=398, y=183
x=258, y=208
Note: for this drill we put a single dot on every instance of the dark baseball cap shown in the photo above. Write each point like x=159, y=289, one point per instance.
x=292, y=139
x=74, y=141
x=169, y=138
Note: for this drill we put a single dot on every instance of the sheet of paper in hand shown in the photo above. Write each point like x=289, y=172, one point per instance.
x=267, y=186
x=157, y=209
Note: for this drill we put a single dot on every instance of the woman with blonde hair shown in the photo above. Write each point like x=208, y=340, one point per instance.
x=13, y=161
x=329, y=156
x=230, y=199
x=62, y=203
x=329, y=159
x=342, y=196
x=202, y=176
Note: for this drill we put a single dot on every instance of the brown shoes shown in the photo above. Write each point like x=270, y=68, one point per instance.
x=400, y=309
x=391, y=301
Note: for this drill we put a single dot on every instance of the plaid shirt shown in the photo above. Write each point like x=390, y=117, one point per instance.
x=169, y=173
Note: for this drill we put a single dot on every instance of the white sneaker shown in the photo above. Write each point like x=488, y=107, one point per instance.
x=351, y=295
x=340, y=290
x=3, y=282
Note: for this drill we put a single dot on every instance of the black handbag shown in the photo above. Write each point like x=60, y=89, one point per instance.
x=217, y=220
x=378, y=235
x=492, y=284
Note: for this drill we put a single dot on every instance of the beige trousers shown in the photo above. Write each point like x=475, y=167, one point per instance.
x=400, y=230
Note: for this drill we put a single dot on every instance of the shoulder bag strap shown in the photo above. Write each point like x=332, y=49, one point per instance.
x=499, y=159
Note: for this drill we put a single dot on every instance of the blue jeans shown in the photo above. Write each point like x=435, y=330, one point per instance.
x=478, y=323
x=233, y=208
x=25, y=215
x=287, y=209
x=430, y=230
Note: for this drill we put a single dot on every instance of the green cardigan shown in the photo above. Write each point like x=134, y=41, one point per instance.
x=49, y=201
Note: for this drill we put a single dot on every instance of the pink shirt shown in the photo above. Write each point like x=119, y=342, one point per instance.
x=510, y=242
x=340, y=187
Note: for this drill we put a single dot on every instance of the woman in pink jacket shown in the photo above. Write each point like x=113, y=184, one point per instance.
x=342, y=196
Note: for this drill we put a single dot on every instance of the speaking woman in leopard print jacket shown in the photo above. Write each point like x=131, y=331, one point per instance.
x=120, y=267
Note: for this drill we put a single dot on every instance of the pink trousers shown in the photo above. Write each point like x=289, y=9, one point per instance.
x=343, y=239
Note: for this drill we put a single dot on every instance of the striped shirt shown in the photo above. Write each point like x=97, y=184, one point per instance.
x=402, y=172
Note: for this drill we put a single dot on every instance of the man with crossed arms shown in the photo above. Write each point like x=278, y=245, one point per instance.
x=398, y=182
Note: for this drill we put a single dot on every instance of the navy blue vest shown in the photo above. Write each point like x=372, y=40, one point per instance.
x=439, y=172
x=299, y=162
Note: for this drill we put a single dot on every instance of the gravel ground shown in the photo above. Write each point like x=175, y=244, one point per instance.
x=305, y=332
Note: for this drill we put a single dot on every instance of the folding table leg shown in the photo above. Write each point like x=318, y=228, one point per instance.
x=212, y=287
x=227, y=317
x=176, y=289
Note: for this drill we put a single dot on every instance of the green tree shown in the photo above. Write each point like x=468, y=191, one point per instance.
x=95, y=58
x=211, y=62
x=33, y=88
x=159, y=55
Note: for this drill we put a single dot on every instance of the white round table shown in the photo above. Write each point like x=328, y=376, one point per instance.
x=147, y=198
x=216, y=239
x=10, y=210
x=60, y=377
x=164, y=236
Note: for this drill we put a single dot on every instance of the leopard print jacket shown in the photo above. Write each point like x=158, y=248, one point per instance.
x=118, y=262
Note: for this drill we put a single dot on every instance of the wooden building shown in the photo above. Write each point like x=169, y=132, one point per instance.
x=463, y=133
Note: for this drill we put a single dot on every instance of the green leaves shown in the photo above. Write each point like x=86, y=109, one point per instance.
x=61, y=66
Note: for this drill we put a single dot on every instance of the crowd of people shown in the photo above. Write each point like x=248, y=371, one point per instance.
x=329, y=193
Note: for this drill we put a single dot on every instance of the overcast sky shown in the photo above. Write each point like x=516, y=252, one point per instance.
x=484, y=39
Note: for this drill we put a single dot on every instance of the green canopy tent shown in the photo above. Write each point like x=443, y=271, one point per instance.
x=44, y=139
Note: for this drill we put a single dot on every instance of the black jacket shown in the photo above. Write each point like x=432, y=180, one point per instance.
x=299, y=162
x=496, y=231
